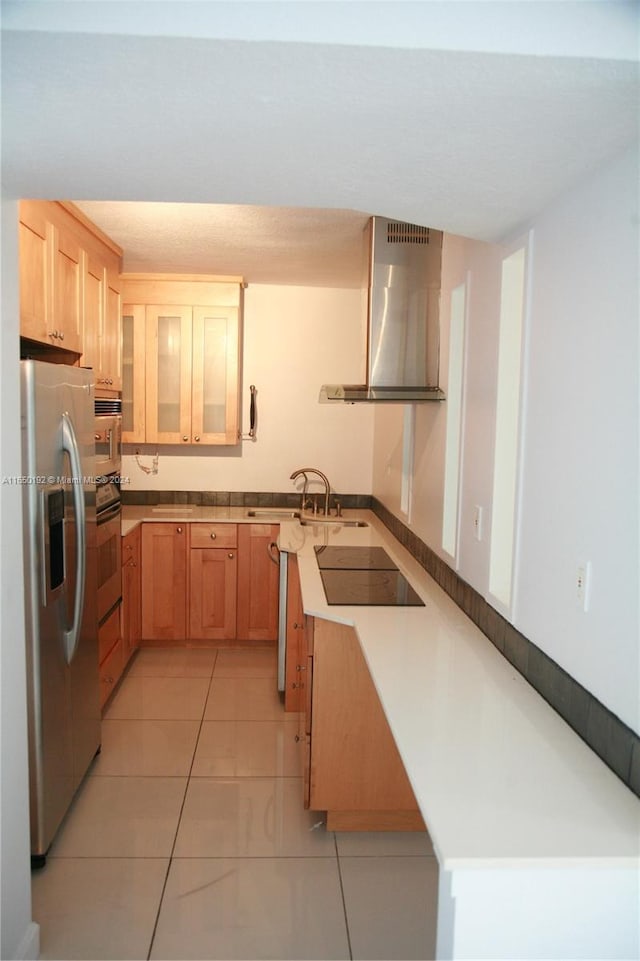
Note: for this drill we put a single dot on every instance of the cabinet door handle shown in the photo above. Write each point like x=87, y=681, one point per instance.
x=270, y=549
x=299, y=667
x=297, y=738
x=197, y=437
x=185, y=438
x=230, y=556
x=178, y=530
x=213, y=536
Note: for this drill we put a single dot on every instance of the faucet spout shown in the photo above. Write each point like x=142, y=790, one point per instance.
x=303, y=496
x=304, y=471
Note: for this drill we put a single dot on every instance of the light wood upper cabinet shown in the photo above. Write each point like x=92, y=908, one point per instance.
x=215, y=375
x=67, y=289
x=109, y=365
x=68, y=277
x=93, y=311
x=35, y=274
x=168, y=375
x=133, y=374
x=101, y=328
x=50, y=279
x=191, y=385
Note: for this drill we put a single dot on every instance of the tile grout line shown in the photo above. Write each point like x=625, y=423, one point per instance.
x=344, y=901
x=175, y=837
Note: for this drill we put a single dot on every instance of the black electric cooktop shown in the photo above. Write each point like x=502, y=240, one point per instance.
x=354, y=559
x=364, y=576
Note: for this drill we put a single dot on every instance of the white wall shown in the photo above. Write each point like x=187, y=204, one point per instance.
x=580, y=467
x=477, y=264
x=580, y=493
x=295, y=339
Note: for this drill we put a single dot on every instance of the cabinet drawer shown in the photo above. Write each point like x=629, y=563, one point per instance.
x=131, y=547
x=109, y=634
x=110, y=671
x=214, y=535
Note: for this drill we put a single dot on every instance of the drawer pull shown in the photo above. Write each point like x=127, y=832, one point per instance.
x=213, y=536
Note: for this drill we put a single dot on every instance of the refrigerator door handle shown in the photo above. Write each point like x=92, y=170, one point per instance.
x=70, y=445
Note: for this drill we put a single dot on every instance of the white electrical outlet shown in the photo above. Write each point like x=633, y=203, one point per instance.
x=477, y=522
x=583, y=583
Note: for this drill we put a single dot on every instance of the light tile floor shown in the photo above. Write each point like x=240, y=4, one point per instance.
x=189, y=839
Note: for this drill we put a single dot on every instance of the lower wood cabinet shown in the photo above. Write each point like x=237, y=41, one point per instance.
x=296, y=657
x=110, y=654
x=131, y=591
x=258, y=582
x=206, y=582
x=164, y=581
x=353, y=769
x=119, y=635
x=213, y=581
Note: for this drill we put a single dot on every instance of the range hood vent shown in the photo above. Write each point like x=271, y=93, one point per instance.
x=402, y=286
x=399, y=233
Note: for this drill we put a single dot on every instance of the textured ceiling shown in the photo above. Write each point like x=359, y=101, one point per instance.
x=265, y=245
x=470, y=142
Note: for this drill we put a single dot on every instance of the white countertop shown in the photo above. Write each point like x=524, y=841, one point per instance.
x=174, y=513
x=500, y=778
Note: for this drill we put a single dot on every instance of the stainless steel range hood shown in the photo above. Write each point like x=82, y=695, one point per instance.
x=404, y=264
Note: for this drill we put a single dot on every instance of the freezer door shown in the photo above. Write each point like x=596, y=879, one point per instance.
x=63, y=697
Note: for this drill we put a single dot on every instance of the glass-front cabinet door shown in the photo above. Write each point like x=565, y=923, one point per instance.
x=168, y=374
x=215, y=401
x=133, y=374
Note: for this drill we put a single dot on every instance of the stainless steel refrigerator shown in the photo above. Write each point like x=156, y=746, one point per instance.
x=58, y=461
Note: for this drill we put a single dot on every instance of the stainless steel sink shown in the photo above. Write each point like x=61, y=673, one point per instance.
x=331, y=522
x=281, y=512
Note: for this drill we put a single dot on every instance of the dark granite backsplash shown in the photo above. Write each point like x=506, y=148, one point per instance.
x=615, y=743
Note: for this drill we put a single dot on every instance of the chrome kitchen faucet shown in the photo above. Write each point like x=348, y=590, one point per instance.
x=304, y=471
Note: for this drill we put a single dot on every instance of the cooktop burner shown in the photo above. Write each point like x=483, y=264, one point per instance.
x=354, y=558
x=369, y=587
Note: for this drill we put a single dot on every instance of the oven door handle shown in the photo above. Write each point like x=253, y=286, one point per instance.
x=114, y=442
x=70, y=445
x=108, y=514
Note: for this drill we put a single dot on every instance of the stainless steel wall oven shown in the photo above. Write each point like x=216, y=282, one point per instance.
x=108, y=543
x=108, y=435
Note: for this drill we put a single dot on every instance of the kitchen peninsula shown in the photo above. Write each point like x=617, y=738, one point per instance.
x=536, y=838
